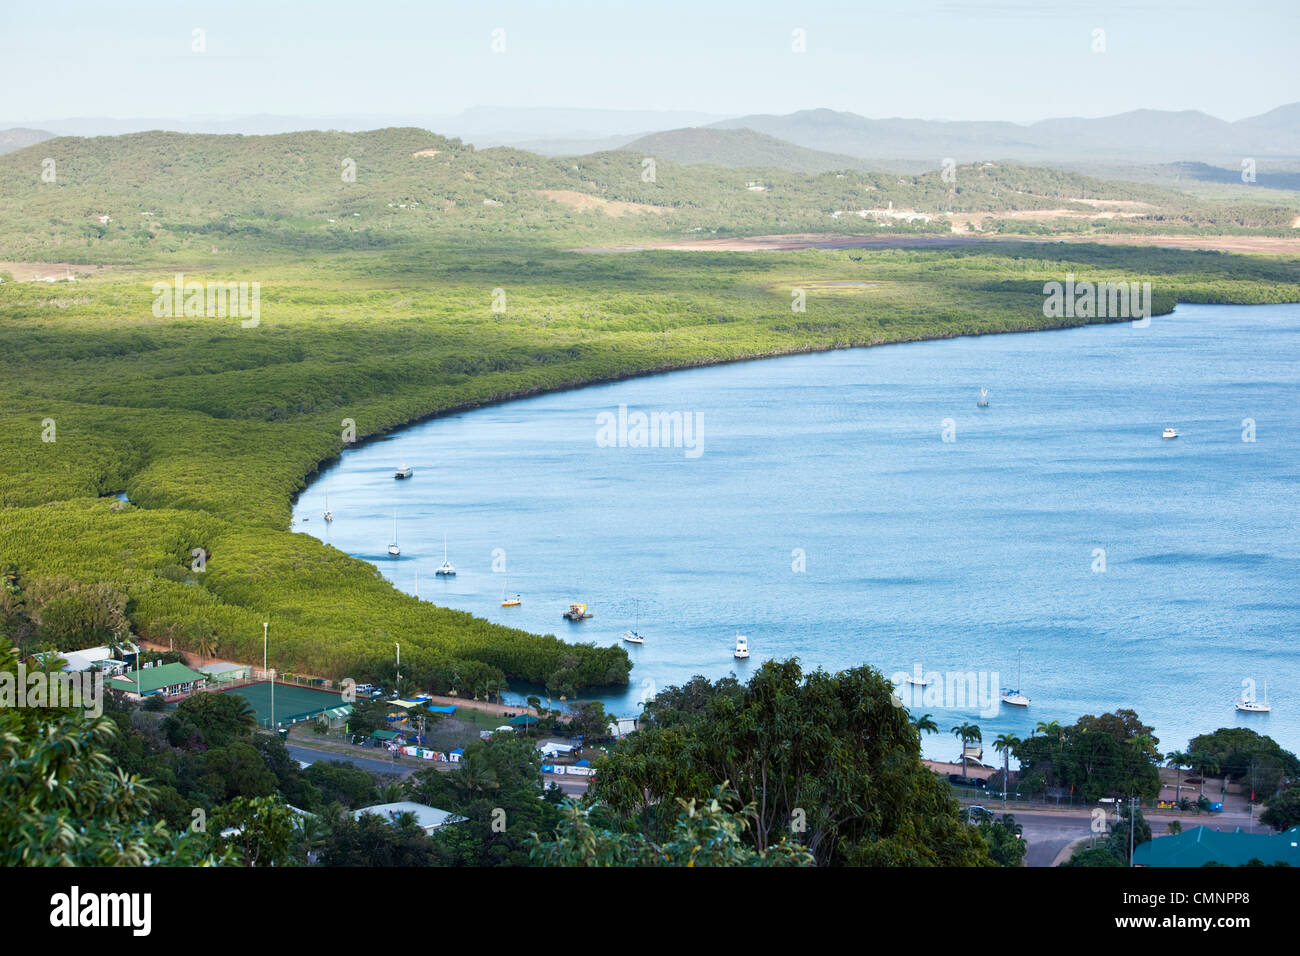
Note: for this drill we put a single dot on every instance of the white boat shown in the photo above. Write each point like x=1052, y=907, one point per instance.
x=984, y=398
x=505, y=601
x=329, y=515
x=633, y=635
x=393, y=549
x=917, y=681
x=1249, y=705
x=406, y=471
x=1170, y=433
x=446, y=569
x=742, y=647
x=1014, y=698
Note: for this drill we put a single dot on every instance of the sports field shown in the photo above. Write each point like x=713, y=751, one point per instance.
x=292, y=703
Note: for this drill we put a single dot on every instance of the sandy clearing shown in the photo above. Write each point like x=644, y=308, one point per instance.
x=33, y=271
x=584, y=202
x=426, y=152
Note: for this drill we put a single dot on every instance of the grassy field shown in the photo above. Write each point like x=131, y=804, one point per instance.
x=212, y=427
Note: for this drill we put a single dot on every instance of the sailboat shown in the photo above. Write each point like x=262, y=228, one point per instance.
x=393, y=549
x=1249, y=705
x=984, y=397
x=633, y=636
x=446, y=569
x=509, y=602
x=329, y=515
x=1014, y=697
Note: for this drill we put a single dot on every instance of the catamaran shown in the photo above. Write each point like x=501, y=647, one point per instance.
x=329, y=515
x=633, y=636
x=393, y=549
x=446, y=569
x=984, y=397
x=742, y=648
x=1014, y=697
x=1249, y=705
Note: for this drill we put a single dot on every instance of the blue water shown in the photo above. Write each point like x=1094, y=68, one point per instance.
x=956, y=556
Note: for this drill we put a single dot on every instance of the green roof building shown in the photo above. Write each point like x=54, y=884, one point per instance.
x=1201, y=845
x=166, y=679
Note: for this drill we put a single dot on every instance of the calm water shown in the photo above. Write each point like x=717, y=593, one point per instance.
x=957, y=556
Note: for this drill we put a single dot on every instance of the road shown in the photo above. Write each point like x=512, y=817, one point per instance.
x=402, y=768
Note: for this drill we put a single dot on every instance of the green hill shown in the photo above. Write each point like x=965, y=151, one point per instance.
x=739, y=148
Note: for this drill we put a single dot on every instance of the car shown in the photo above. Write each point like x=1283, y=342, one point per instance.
x=977, y=814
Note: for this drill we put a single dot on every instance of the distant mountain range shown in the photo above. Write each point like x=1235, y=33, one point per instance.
x=1153, y=136
x=807, y=140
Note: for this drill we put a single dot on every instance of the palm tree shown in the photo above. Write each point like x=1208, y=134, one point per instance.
x=967, y=733
x=925, y=725
x=205, y=640
x=1204, y=762
x=1004, y=744
x=1178, y=760
x=1051, y=729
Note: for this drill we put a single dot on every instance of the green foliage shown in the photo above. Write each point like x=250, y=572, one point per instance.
x=1110, y=755
x=373, y=841
x=339, y=782
x=853, y=791
x=257, y=832
x=201, y=721
x=1005, y=840
x=63, y=801
x=1095, y=856
x=704, y=833
x=1283, y=809
x=1243, y=754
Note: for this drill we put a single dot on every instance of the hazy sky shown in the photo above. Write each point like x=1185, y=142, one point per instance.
x=933, y=59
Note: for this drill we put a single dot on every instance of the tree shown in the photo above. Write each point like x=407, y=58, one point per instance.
x=925, y=725
x=1282, y=811
x=966, y=732
x=1118, y=842
x=1177, y=759
x=1005, y=744
x=260, y=831
x=63, y=802
x=704, y=833
x=210, y=720
x=853, y=790
x=373, y=841
x=1203, y=762
x=1005, y=840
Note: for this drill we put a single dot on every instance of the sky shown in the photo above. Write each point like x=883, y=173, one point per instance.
x=1018, y=60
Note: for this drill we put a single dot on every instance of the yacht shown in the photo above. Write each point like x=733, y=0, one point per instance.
x=1249, y=705
x=1014, y=698
x=406, y=471
x=917, y=681
x=633, y=635
x=1170, y=433
x=329, y=515
x=393, y=549
x=742, y=648
x=446, y=569
x=984, y=398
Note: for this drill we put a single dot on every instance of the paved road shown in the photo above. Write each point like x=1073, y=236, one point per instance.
x=402, y=768
x=572, y=786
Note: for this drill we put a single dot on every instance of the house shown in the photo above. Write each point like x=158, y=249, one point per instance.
x=98, y=657
x=1201, y=845
x=427, y=818
x=169, y=680
x=221, y=673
